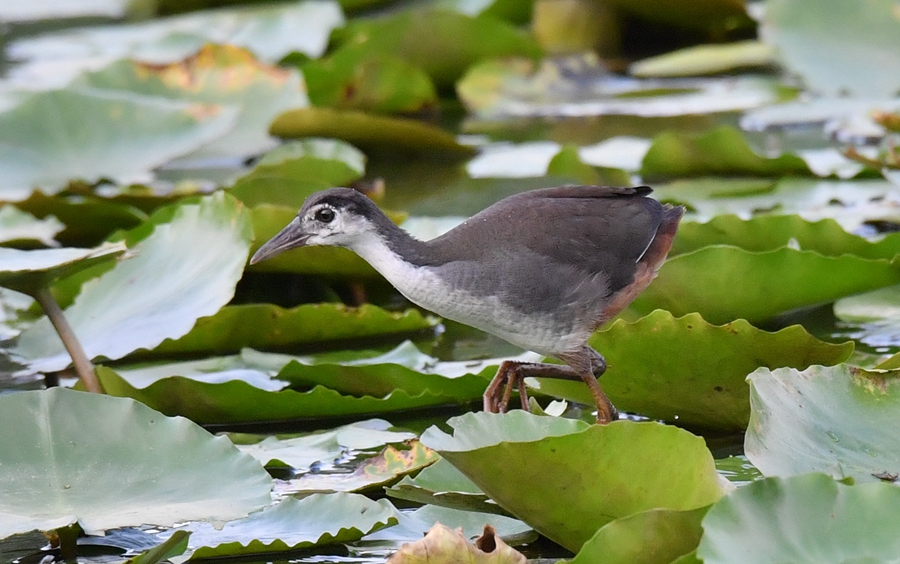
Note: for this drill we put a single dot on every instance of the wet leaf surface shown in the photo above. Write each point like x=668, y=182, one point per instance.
x=17, y=226
x=835, y=420
x=52, y=440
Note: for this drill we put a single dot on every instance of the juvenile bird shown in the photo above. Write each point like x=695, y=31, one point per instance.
x=541, y=269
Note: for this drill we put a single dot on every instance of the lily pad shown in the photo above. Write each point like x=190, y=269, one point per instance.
x=17, y=226
x=270, y=31
x=236, y=401
x=52, y=443
x=706, y=59
x=88, y=134
x=292, y=524
x=174, y=546
x=442, y=42
x=835, y=420
x=324, y=446
x=835, y=47
x=354, y=78
x=724, y=283
x=216, y=74
x=568, y=163
x=189, y=259
x=267, y=326
x=721, y=151
x=29, y=271
x=770, y=232
x=387, y=467
x=443, y=485
x=287, y=175
x=689, y=371
x=849, y=202
x=656, y=536
x=369, y=132
x=583, y=487
x=582, y=86
x=809, y=518
x=88, y=220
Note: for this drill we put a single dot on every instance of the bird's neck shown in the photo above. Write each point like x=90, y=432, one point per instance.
x=391, y=249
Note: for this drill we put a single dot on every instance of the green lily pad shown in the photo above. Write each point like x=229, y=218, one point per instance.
x=267, y=326
x=189, y=258
x=353, y=78
x=706, y=59
x=443, y=43
x=236, y=401
x=849, y=202
x=292, y=524
x=324, y=446
x=583, y=484
x=87, y=134
x=369, y=132
x=580, y=86
x=770, y=232
x=724, y=283
x=808, y=518
x=835, y=47
x=656, y=536
x=216, y=74
x=107, y=462
x=568, y=163
x=370, y=475
x=88, y=220
x=443, y=485
x=721, y=151
x=689, y=371
x=289, y=174
x=836, y=420
x=269, y=31
x=29, y=271
x=17, y=227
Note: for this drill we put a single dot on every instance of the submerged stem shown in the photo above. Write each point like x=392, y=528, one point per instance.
x=83, y=366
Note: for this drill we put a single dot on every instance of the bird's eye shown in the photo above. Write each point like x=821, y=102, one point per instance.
x=325, y=215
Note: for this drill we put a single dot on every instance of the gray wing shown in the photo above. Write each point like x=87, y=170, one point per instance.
x=557, y=248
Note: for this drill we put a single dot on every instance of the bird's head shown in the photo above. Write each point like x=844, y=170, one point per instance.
x=338, y=217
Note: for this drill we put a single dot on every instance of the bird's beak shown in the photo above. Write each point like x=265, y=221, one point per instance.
x=288, y=238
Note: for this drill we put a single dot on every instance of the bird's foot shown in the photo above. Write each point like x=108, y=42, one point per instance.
x=498, y=393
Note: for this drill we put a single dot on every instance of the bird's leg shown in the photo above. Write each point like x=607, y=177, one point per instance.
x=585, y=365
x=590, y=365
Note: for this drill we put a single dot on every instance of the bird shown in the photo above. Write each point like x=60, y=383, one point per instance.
x=541, y=269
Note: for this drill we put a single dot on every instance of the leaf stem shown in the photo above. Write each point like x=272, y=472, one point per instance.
x=83, y=366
